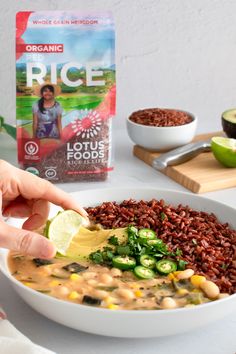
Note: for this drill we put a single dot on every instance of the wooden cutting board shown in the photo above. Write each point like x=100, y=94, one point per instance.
x=201, y=174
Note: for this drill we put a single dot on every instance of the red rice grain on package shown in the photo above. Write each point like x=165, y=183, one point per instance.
x=208, y=246
x=158, y=117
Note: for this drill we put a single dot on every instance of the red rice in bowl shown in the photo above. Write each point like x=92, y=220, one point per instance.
x=207, y=245
x=160, y=117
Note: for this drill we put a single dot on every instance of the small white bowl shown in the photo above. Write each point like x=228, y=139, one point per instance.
x=162, y=138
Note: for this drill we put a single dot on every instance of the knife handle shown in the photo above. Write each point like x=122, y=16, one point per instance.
x=180, y=155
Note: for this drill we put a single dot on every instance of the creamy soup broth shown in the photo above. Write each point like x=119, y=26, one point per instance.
x=91, y=284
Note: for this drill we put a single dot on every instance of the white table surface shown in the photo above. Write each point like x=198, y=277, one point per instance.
x=217, y=338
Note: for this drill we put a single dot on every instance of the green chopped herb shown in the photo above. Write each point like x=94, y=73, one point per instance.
x=181, y=264
x=163, y=216
x=107, y=288
x=107, y=255
x=132, y=230
x=158, y=255
x=178, y=252
x=96, y=257
x=123, y=250
x=195, y=298
x=102, y=257
x=106, y=248
x=224, y=266
x=194, y=241
x=44, y=291
x=135, y=247
x=113, y=240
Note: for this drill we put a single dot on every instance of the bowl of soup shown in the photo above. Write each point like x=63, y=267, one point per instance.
x=101, y=298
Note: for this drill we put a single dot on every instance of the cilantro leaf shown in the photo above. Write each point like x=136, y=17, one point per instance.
x=181, y=264
x=163, y=216
x=178, y=252
x=96, y=257
x=123, y=250
x=113, y=240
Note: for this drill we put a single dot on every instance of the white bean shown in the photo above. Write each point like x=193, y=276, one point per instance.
x=106, y=278
x=168, y=303
x=89, y=275
x=210, y=289
x=44, y=271
x=112, y=300
x=63, y=290
x=92, y=282
x=125, y=294
x=101, y=294
x=116, y=272
x=223, y=295
x=185, y=274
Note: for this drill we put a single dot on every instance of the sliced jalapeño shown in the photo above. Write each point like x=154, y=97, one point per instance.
x=123, y=262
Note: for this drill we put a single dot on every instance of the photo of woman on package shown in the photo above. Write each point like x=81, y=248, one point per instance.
x=47, y=113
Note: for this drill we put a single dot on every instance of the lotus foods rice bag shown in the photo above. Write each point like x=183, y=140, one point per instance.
x=65, y=94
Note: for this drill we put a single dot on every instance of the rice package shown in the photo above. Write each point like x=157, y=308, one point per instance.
x=65, y=94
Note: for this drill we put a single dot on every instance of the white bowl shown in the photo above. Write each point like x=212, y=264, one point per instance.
x=128, y=323
x=162, y=138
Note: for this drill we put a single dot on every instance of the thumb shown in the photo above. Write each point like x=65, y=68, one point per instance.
x=25, y=241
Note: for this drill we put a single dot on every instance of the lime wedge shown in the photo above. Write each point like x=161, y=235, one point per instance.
x=62, y=228
x=224, y=150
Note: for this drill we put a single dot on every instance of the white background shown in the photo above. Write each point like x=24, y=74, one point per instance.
x=170, y=53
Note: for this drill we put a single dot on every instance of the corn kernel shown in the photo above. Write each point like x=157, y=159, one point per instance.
x=196, y=280
x=74, y=276
x=182, y=292
x=171, y=276
x=27, y=284
x=138, y=293
x=111, y=300
x=196, y=291
x=108, y=300
x=54, y=283
x=73, y=295
x=112, y=307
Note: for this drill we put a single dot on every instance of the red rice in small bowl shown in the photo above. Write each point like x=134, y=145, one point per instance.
x=160, y=117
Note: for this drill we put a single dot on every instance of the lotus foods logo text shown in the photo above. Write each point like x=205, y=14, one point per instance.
x=86, y=150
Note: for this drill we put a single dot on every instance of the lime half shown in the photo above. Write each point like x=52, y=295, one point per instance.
x=63, y=228
x=224, y=150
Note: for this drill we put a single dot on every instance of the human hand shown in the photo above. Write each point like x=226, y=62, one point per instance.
x=24, y=195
